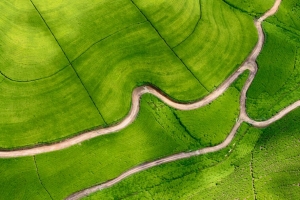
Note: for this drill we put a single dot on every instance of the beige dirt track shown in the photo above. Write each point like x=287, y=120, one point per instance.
x=249, y=64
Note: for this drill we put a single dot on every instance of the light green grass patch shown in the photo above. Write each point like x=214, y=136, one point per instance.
x=174, y=20
x=28, y=51
x=222, y=40
x=78, y=24
x=46, y=110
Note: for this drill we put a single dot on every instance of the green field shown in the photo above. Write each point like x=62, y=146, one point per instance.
x=273, y=154
x=28, y=50
x=277, y=82
x=45, y=110
x=156, y=133
x=70, y=66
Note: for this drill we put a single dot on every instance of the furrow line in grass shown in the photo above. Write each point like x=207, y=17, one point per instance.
x=252, y=177
x=184, y=127
x=33, y=80
x=38, y=174
x=169, y=46
x=200, y=17
x=106, y=38
x=239, y=9
x=68, y=60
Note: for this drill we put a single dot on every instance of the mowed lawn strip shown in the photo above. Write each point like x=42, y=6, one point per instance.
x=112, y=68
x=174, y=20
x=44, y=111
x=222, y=40
x=28, y=51
x=78, y=25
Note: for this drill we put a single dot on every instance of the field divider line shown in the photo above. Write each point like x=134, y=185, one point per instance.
x=200, y=17
x=38, y=174
x=33, y=80
x=68, y=60
x=170, y=47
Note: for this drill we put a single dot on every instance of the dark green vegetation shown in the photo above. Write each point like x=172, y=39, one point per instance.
x=277, y=82
x=259, y=163
x=159, y=131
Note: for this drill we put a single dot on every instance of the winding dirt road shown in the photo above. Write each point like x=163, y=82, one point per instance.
x=249, y=64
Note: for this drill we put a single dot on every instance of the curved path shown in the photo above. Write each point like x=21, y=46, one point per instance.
x=249, y=64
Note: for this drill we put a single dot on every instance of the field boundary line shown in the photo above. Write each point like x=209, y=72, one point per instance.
x=38, y=174
x=116, y=32
x=33, y=80
x=68, y=60
x=200, y=17
x=170, y=46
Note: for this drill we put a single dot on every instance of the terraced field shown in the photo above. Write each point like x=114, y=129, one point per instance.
x=71, y=70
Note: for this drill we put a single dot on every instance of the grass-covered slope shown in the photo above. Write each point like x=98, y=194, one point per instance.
x=45, y=110
x=258, y=164
x=222, y=40
x=28, y=51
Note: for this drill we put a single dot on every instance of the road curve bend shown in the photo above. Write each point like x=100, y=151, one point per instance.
x=249, y=64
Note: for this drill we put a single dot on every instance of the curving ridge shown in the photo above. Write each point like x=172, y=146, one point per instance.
x=249, y=64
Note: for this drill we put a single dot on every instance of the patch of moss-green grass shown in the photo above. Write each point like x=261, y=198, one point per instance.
x=28, y=51
x=44, y=111
x=222, y=40
x=20, y=180
x=174, y=20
